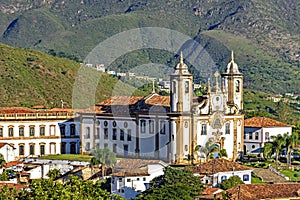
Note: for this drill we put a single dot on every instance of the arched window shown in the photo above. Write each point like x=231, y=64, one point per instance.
x=237, y=86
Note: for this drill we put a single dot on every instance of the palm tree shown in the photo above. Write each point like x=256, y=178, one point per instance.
x=290, y=142
x=104, y=157
x=207, y=150
x=268, y=150
x=278, y=143
x=2, y=161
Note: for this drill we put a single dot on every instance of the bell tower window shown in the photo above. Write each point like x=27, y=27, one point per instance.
x=237, y=86
x=186, y=87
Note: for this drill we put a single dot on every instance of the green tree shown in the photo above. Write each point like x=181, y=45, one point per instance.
x=231, y=182
x=54, y=173
x=174, y=184
x=278, y=143
x=4, y=176
x=8, y=193
x=268, y=150
x=207, y=150
x=104, y=157
x=2, y=161
x=290, y=142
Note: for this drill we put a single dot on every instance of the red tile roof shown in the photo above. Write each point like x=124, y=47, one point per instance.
x=23, y=110
x=263, y=122
x=209, y=191
x=13, y=163
x=129, y=164
x=3, y=144
x=218, y=165
x=265, y=191
x=15, y=185
x=121, y=100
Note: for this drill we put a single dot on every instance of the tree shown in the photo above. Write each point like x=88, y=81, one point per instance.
x=290, y=142
x=104, y=157
x=268, y=150
x=2, y=161
x=53, y=173
x=231, y=182
x=278, y=143
x=207, y=150
x=174, y=184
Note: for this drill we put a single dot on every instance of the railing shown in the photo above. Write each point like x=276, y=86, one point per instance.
x=278, y=173
x=42, y=115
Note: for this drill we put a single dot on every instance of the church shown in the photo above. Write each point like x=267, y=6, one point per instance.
x=170, y=128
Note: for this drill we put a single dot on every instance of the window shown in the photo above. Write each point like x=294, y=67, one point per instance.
x=72, y=129
x=122, y=134
x=223, y=178
x=98, y=133
x=162, y=127
x=11, y=131
x=237, y=86
x=31, y=149
x=137, y=179
x=125, y=124
x=114, y=137
x=87, y=133
x=31, y=131
x=114, y=123
x=1, y=131
x=245, y=136
x=253, y=146
x=63, y=147
x=21, y=150
x=144, y=178
x=256, y=135
x=227, y=128
x=115, y=148
x=129, y=135
x=203, y=129
x=250, y=136
x=246, y=177
x=42, y=149
x=128, y=180
x=143, y=126
x=62, y=130
x=105, y=123
x=52, y=130
x=105, y=145
x=87, y=146
x=186, y=87
x=105, y=133
x=21, y=131
x=42, y=130
x=267, y=136
x=151, y=126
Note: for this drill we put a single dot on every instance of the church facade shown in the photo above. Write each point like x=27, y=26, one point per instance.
x=171, y=127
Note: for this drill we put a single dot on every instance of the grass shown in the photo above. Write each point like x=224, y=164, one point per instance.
x=71, y=157
x=293, y=175
x=256, y=180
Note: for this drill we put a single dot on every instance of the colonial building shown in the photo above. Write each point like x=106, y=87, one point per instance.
x=39, y=132
x=170, y=127
x=259, y=130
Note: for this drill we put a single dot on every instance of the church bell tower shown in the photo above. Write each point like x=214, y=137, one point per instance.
x=181, y=93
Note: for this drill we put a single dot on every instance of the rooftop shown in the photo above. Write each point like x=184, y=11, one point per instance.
x=264, y=122
x=216, y=166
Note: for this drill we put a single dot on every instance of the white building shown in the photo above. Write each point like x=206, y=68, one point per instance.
x=259, y=130
x=217, y=170
x=8, y=152
x=133, y=176
x=169, y=128
x=39, y=132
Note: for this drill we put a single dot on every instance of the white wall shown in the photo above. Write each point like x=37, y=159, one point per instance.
x=8, y=153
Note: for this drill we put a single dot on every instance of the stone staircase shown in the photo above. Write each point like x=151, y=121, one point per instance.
x=269, y=176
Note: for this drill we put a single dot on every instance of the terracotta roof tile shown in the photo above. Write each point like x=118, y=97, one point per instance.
x=209, y=191
x=15, y=185
x=3, y=144
x=12, y=163
x=218, y=165
x=265, y=191
x=264, y=122
x=127, y=163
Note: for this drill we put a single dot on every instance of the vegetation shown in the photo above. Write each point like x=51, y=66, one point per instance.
x=71, y=157
x=233, y=181
x=294, y=175
x=54, y=173
x=74, y=188
x=256, y=180
x=174, y=184
x=2, y=161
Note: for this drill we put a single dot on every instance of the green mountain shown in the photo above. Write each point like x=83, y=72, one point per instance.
x=263, y=34
x=29, y=77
